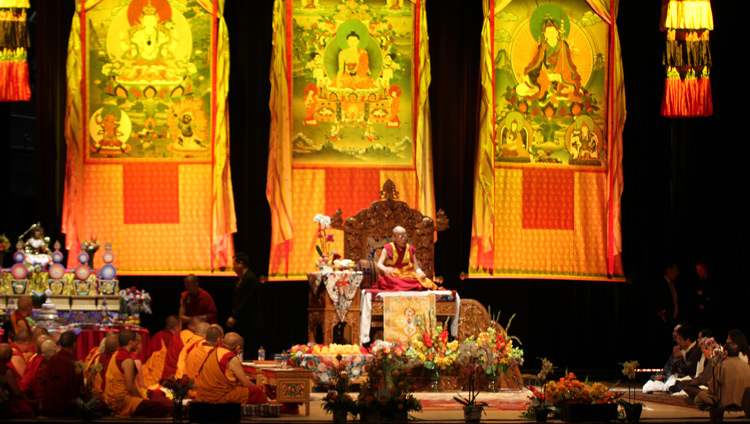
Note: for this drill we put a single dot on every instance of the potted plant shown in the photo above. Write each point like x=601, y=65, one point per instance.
x=580, y=401
x=541, y=406
x=338, y=401
x=473, y=356
x=386, y=395
x=632, y=409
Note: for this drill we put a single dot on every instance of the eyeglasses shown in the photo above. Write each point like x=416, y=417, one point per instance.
x=400, y=235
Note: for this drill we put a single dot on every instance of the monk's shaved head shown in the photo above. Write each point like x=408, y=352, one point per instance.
x=39, y=331
x=214, y=334
x=111, y=343
x=195, y=321
x=22, y=336
x=40, y=341
x=68, y=339
x=125, y=337
x=25, y=302
x=399, y=230
x=5, y=352
x=200, y=329
x=232, y=340
x=48, y=349
x=172, y=322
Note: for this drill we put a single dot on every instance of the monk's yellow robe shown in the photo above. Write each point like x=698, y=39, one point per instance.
x=216, y=384
x=189, y=345
x=116, y=394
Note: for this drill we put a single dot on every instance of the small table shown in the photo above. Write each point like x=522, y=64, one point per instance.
x=254, y=369
x=292, y=385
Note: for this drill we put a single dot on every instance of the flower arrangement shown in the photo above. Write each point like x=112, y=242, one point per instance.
x=386, y=392
x=91, y=245
x=325, y=239
x=433, y=349
x=178, y=389
x=135, y=298
x=338, y=399
x=568, y=390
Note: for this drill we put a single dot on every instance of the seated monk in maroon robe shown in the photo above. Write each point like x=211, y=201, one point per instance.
x=62, y=379
x=17, y=406
x=400, y=267
x=32, y=382
x=180, y=340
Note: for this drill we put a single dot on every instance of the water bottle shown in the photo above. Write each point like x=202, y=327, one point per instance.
x=261, y=354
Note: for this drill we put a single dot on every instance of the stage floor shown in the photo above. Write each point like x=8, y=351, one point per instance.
x=439, y=407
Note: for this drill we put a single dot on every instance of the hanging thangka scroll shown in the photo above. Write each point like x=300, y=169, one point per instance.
x=14, y=46
x=351, y=113
x=147, y=133
x=548, y=178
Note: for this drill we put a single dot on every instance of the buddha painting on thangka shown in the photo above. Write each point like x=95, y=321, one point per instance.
x=550, y=85
x=149, y=81
x=351, y=82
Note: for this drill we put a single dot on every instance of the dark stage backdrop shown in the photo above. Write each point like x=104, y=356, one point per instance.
x=684, y=183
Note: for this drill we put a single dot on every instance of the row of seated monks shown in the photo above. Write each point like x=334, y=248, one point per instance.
x=44, y=378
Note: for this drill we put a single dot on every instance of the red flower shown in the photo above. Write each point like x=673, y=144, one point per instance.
x=427, y=340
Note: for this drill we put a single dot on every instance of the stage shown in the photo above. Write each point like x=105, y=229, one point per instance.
x=439, y=407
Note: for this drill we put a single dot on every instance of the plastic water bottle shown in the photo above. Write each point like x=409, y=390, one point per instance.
x=261, y=354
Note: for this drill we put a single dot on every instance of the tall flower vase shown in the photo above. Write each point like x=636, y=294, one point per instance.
x=177, y=413
x=541, y=415
x=492, y=382
x=339, y=417
x=435, y=380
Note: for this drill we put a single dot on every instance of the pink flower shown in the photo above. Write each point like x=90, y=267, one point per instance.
x=329, y=237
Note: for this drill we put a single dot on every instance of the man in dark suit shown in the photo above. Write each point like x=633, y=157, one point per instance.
x=247, y=317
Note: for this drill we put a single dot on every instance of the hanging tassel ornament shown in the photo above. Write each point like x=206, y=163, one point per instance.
x=14, y=44
x=687, y=58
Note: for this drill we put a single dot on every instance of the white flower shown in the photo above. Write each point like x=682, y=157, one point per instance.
x=323, y=220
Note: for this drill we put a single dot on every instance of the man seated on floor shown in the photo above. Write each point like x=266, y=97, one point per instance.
x=62, y=380
x=198, y=352
x=727, y=385
x=32, y=382
x=185, y=337
x=121, y=392
x=154, y=365
x=710, y=349
x=400, y=267
x=17, y=406
x=22, y=344
x=222, y=379
x=682, y=363
x=200, y=337
x=111, y=344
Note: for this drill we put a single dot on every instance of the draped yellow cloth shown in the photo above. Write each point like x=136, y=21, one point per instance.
x=279, y=178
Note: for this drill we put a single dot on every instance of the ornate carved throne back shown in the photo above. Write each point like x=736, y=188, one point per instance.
x=366, y=232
